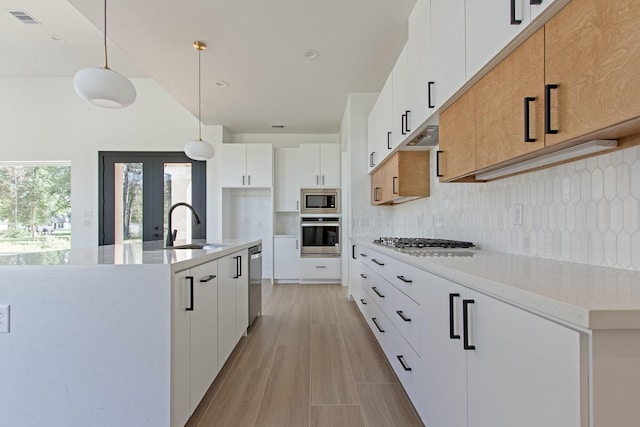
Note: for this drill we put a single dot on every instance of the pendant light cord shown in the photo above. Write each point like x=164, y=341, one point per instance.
x=199, y=99
x=106, y=62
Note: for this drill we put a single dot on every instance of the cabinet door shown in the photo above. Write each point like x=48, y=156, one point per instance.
x=378, y=184
x=458, y=138
x=501, y=105
x=592, y=52
x=204, y=330
x=287, y=185
x=234, y=165
x=418, y=56
x=310, y=158
x=242, y=294
x=259, y=165
x=386, y=120
x=400, y=75
x=227, y=274
x=521, y=363
x=444, y=362
x=447, y=50
x=180, y=350
x=330, y=165
x=374, y=134
x=286, y=258
x=490, y=27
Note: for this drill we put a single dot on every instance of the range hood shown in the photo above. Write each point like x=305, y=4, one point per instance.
x=427, y=137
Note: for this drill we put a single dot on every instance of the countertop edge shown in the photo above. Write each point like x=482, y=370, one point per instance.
x=202, y=256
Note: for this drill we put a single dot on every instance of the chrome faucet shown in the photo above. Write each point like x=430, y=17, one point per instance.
x=171, y=235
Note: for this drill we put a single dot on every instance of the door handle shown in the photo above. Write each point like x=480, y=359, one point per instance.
x=393, y=185
x=402, y=316
x=375, y=194
x=404, y=280
x=403, y=363
x=363, y=301
x=375, y=322
x=353, y=251
x=364, y=276
x=514, y=13
x=403, y=121
x=438, y=174
x=465, y=324
x=374, y=289
x=377, y=262
x=208, y=278
x=547, y=109
x=248, y=179
x=190, y=308
x=389, y=140
x=406, y=121
x=527, y=113
x=371, y=159
x=535, y=1
x=452, y=317
x=243, y=180
x=430, y=87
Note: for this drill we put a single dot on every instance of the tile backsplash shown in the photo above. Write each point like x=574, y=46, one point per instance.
x=584, y=211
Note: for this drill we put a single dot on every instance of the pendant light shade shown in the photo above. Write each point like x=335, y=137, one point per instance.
x=101, y=85
x=199, y=149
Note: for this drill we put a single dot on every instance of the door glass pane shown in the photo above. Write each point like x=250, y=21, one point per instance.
x=128, y=202
x=177, y=188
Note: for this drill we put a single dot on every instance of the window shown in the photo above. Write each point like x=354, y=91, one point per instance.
x=35, y=206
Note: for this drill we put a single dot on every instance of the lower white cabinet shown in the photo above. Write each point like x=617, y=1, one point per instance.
x=195, y=338
x=320, y=269
x=286, y=258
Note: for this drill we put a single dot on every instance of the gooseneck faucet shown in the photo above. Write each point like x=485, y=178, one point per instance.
x=171, y=235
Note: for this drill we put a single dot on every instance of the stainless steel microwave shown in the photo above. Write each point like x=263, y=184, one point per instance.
x=320, y=201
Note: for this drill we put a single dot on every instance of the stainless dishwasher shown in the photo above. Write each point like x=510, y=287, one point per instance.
x=255, y=283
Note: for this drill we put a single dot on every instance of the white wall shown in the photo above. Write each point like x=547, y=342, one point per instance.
x=44, y=119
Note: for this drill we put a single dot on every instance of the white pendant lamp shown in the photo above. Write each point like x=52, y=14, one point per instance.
x=199, y=149
x=101, y=85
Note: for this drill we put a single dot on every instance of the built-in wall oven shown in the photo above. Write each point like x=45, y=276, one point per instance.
x=320, y=236
x=320, y=201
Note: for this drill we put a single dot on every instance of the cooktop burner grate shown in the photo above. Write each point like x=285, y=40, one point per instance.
x=420, y=242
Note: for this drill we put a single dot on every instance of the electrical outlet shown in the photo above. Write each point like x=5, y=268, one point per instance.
x=516, y=214
x=4, y=319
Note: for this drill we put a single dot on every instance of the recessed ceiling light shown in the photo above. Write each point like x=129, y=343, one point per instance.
x=277, y=126
x=222, y=83
x=311, y=54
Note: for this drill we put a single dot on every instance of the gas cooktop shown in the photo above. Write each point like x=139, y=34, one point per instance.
x=432, y=248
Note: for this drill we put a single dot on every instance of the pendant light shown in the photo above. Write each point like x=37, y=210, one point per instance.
x=199, y=149
x=101, y=85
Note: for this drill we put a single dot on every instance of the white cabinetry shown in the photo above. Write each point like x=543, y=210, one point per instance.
x=195, y=338
x=418, y=47
x=247, y=165
x=233, y=302
x=287, y=185
x=321, y=165
x=380, y=126
x=320, y=270
x=286, y=258
x=401, y=114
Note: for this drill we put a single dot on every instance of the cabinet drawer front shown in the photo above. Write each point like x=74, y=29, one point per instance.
x=404, y=277
x=380, y=325
x=407, y=317
x=320, y=268
x=407, y=365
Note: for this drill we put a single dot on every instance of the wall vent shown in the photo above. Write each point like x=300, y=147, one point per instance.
x=23, y=17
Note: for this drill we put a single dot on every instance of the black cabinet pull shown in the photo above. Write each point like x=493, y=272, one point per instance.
x=393, y=184
x=452, y=317
x=363, y=301
x=377, y=262
x=465, y=324
x=389, y=140
x=403, y=122
x=353, y=251
x=430, y=87
x=403, y=363
x=535, y=2
x=527, y=113
x=375, y=194
x=438, y=174
x=208, y=278
x=402, y=316
x=514, y=20
x=363, y=255
x=374, y=319
x=364, y=276
x=547, y=109
x=404, y=280
x=240, y=266
x=371, y=159
x=190, y=308
x=407, y=117
x=374, y=289
x=235, y=258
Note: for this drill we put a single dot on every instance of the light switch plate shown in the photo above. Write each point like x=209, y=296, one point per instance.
x=516, y=214
x=4, y=319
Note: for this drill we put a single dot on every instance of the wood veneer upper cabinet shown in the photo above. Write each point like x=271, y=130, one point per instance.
x=403, y=177
x=458, y=138
x=592, y=52
x=500, y=105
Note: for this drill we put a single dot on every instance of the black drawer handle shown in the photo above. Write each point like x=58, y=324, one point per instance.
x=514, y=20
x=375, y=322
x=376, y=291
x=407, y=117
x=363, y=255
x=389, y=140
x=452, y=317
x=430, y=96
x=363, y=301
x=208, y=278
x=527, y=113
x=403, y=124
x=190, y=308
x=438, y=174
x=364, y=276
x=403, y=363
x=547, y=109
x=377, y=262
x=404, y=280
x=403, y=317
x=465, y=324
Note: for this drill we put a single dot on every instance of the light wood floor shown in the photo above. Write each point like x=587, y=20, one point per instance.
x=309, y=361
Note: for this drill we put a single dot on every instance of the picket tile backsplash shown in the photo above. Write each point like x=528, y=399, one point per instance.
x=584, y=211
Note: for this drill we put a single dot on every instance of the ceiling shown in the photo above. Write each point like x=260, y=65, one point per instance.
x=257, y=46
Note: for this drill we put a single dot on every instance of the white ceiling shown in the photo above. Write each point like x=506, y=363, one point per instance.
x=257, y=46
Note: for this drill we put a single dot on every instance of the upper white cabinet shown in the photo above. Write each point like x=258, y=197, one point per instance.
x=247, y=165
x=401, y=114
x=287, y=175
x=374, y=135
x=321, y=165
x=418, y=47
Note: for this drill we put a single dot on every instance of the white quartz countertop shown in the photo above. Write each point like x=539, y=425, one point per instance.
x=581, y=295
x=138, y=253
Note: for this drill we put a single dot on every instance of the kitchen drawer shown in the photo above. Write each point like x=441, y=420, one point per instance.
x=406, y=315
x=406, y=278
x=320, y=268
x=406, y=364
x=378, y=289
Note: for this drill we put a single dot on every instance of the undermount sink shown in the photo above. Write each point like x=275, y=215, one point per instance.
x=198, y=246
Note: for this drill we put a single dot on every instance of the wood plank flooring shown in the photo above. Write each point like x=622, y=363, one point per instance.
x=309, y=361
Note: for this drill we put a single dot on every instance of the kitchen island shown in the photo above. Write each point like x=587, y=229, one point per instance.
x=118, y=335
